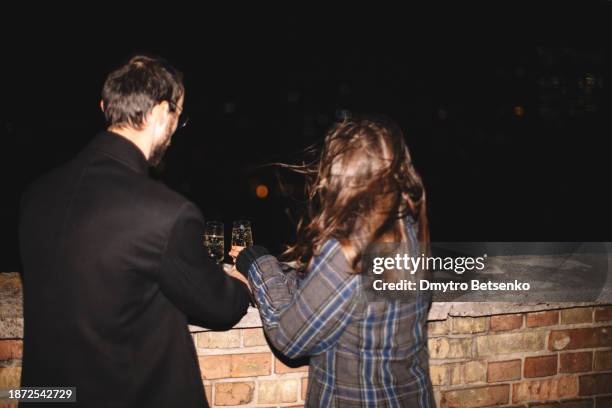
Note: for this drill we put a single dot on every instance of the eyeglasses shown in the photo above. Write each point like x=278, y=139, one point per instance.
x=183, y=117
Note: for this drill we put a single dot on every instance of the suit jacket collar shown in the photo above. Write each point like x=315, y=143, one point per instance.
x=121, y=149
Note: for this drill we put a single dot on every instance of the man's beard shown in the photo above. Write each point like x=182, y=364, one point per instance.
x=158, y=151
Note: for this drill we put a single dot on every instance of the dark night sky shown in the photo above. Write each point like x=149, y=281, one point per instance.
x=259, y=90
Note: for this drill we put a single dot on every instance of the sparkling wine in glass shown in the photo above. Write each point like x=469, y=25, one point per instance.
x=213, y=240
x=242, y=236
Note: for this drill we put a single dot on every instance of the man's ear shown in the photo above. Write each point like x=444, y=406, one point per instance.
x=159, y=111
x=102, y=104
x=164, y=106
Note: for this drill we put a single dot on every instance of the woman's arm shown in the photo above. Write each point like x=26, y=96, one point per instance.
x=302, y=316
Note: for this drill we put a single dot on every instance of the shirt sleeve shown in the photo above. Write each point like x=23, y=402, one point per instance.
x=304, y=316
x=195, y=284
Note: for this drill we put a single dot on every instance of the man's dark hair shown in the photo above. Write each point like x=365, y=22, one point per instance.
x=131, y=91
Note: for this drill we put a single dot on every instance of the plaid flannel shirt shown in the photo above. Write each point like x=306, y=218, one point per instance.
x=362, y=353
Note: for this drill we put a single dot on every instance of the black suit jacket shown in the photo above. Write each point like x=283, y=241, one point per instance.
x=113, y=271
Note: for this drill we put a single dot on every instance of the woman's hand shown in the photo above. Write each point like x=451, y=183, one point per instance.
x=234, y=272
x=235, y=251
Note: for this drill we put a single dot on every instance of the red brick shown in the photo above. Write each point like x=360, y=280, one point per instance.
x=545, y=389
x=11, y=349
x=603, y=360
x=595, y=384
x=603, y=314
x=575, y=362
x=588, y=337
x=477, y=397
x=506, y=322
x=540, y=319
x=541, y=366
x=504, y=371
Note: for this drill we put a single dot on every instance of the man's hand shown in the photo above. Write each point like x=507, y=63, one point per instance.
x=237, y=275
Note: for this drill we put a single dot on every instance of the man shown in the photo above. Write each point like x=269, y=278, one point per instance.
x=113, y=263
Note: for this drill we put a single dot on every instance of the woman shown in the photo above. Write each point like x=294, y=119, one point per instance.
x=363, y=190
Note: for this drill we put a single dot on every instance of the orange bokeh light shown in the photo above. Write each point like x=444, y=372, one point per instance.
x=519, y=111
x=261, y=191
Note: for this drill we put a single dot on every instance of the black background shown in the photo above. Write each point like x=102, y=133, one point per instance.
x=262, y=85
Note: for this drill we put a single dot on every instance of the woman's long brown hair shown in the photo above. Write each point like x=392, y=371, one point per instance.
x=361, y=188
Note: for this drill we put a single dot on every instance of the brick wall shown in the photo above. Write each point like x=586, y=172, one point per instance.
x=554, y=358
x=511, y=355
x=238, y=368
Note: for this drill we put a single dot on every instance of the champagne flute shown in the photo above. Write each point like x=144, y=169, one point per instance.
x=242, y=235
x=214, y=240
